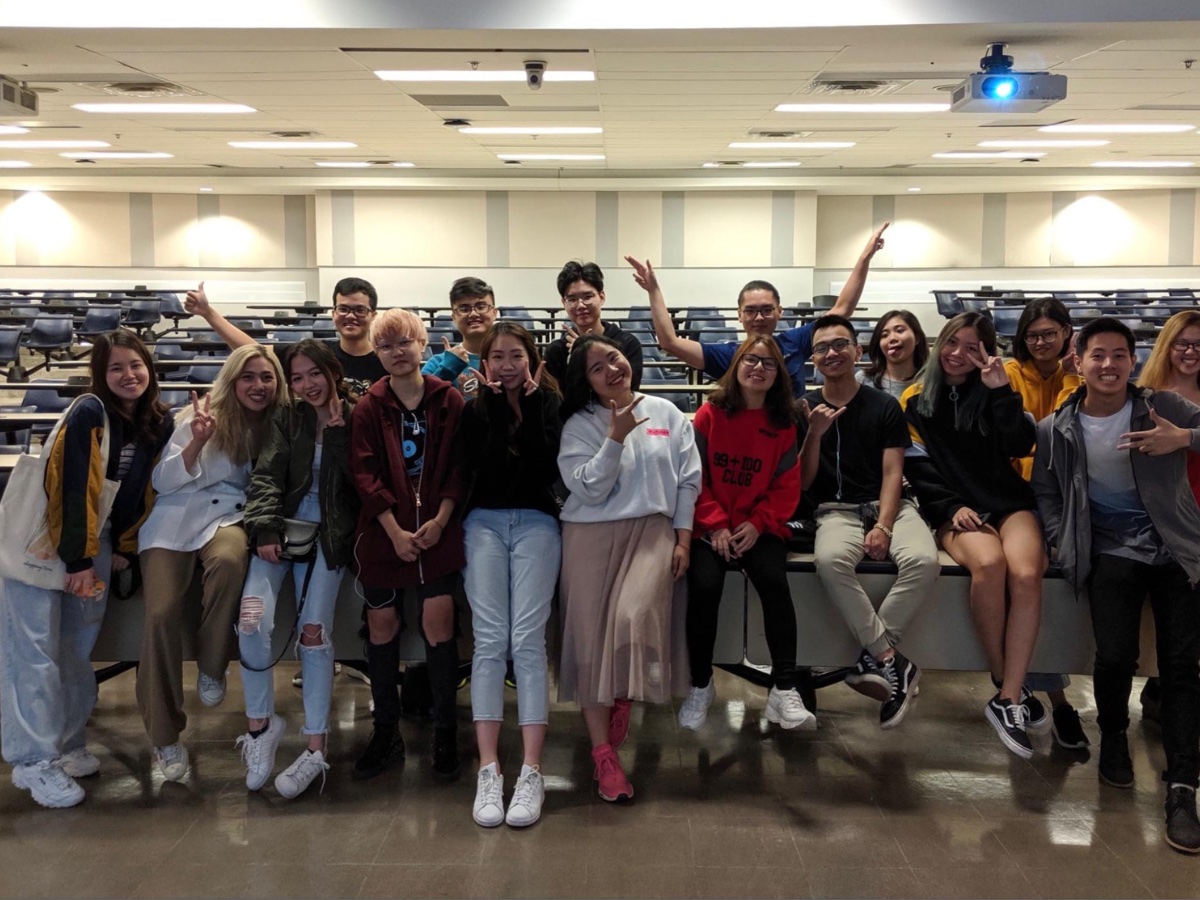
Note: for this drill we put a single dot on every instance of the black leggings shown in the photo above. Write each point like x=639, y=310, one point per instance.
x=766, y=565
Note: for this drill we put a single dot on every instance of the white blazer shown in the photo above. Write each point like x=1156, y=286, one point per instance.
x=192, y=505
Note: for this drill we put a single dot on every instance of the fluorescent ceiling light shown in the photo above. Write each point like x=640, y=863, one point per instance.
x=790, y=145
x=710, y=165
x=404, y=165
x=998, y=154
x=766, y=164
x=118, y=154
x=549, y=129
x=14, y=164
x=167, y=108
x=13, y=129
x=539, y=157
x=914, y=190
x=1128, y=128
x=1051, y=145
x=344, y=164
x=206, y=190
x=293, y=145
x=52, y=145
x=862, y=107
x=1143, y=164
x=479, y=75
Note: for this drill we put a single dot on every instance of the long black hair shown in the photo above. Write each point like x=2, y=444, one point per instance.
x=779, y=404
x=149, y=412
x=578, y=393
x=932, y=378
x=546, y=382
x=877, y=367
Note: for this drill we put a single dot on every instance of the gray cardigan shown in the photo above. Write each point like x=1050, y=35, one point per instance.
x=1060, y=483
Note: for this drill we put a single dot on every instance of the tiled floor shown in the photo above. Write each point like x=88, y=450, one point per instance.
x=936, y=808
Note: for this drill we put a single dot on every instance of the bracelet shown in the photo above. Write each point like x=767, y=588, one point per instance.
x=885, y=530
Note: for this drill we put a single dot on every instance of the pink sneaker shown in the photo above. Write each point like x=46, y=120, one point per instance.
x=611, y=783
x=618, y=722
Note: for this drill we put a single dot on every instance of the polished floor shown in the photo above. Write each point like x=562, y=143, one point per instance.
x=936, y=808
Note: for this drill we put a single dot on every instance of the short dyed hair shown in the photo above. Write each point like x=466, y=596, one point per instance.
x=398, y=323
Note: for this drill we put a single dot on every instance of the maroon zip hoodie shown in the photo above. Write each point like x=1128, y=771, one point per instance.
x=377, y=464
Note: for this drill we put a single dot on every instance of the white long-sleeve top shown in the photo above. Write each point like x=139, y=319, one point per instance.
x=656, y=470
x=192, y=505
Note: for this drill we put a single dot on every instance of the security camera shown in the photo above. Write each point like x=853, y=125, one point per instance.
x=535, y=71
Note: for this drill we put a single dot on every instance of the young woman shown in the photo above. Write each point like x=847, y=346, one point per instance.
x=47, y=688
x=197, y=517
x=404, y=463
x=631, y=465
x=509, y=441
x=1043, y=373
x=301, y=474
x=897, y=352
x=967, y=425
x=746, y=433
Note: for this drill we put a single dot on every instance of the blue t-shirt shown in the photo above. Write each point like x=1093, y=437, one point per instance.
x=448, y=367
x=795, y=344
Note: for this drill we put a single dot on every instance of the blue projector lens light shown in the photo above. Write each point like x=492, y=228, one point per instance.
x=1000, y=87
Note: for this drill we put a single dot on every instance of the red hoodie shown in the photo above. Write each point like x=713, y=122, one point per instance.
x=751, y=471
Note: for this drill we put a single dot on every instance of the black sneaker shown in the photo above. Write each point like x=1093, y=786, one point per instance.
x=1151, y=700
x=1068, y=730
x=385, y=748
x=1037, y=717
x=903, y=676
x=444, y=754
x=868, y=679
x=1116, y=768
x=1008, y=719
x=1183, y=828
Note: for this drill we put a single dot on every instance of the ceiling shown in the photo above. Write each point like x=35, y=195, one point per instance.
x=668, y=102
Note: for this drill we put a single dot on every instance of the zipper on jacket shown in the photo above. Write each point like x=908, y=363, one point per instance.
x=954, y=400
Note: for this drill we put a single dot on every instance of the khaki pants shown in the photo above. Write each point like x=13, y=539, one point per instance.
x=839, y=548
x=166, y=577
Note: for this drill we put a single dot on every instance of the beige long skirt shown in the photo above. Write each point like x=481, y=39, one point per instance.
x=623, y=614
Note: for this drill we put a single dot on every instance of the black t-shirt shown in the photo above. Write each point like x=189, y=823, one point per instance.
x=413, y=441
x=360, y=371
x=852, y=449
x=556, y=354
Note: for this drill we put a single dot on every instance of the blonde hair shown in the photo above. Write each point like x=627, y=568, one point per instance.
x=239, y=433
x=1156, y=373
x=393, y=323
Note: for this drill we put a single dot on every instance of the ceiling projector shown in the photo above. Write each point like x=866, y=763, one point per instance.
x=998, y=89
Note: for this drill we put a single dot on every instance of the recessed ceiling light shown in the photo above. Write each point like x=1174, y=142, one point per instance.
x=914, y=190
x=539, y=157
x=478, y=75
x=164, y=108
x=769, y=164
x=1143, y=164
x=549, y=129
x=344, y=164
x=790, y=145
x=404, y=165
x=293, y=145
x=985, y=154
x=710, y=165
x=862, y=107
x=1127, y=128
x=1051, y=145
x=117, y=154
x=13, y=129
x=14, y=164
x=205, y=190
x=53, y=145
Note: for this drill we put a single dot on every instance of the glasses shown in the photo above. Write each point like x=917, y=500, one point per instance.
x=576, y=299
x=1043, y=337
x=1182, y=346
x=400, y=346
x=836, y=346
x=359, y=312
x=768, y=364
x=465, y=309
x=759, y=312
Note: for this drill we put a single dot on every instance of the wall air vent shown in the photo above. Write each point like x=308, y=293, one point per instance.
x=16, y=100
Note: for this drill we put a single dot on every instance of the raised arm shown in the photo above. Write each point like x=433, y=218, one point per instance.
x=688, y=351
x=851, y=293
x=197, y=304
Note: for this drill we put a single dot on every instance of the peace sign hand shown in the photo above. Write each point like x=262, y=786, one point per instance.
x=531, y=385
x=203, y=424
x=570, y=335
x=483, y=379
x=643, y=274
x=822, y=417
x=991, y=370
x=624, y=420
x=457, y=349
x=335, y=412
x=1165, y=437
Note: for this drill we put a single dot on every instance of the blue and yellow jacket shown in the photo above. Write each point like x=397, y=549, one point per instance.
x=74, y=480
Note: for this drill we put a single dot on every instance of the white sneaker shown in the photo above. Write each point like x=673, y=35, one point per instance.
x=788, y=710
x=79, y=763
x=258, y=753
x=49, y=785
x=295, y=779
x=489, y=797
x=211, y=690
x=526, y=805
x=694, y=711
x=172, y=761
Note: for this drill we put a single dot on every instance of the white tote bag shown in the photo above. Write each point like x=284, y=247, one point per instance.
x=26, y=552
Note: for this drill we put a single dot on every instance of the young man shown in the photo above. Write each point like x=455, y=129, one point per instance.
x=852, y=465
x=473, y=306
x=1110, y=474
x=759, y=311
x=581, y=289
x=354, y=305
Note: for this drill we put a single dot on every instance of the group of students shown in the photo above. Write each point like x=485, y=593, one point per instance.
x=488, y=470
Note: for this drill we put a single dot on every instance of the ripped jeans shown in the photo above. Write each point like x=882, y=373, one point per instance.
x=256, y=621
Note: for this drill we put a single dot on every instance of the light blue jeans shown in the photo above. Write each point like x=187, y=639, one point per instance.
x=513, y=557
x=47, y=684
x=256, y=621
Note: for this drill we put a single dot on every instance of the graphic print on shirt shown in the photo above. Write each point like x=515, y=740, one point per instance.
x=737, y=470
x=413, y=442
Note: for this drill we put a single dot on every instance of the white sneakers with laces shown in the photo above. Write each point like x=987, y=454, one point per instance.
x=79, y=763
x=172, y=761
x=694, y=711
x=489, y=797
x=210, y=690
x=786, y=709
x=258, y=753
x=527, y=798
x=295, y=779
x=48, y=784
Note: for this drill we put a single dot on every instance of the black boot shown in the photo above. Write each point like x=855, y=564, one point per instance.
x=444, y=753
x=1116, y=768
x=385, y=748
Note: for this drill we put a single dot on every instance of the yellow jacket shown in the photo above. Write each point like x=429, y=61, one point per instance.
x=1041, y=396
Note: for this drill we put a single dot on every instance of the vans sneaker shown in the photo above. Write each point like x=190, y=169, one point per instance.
x=868, y=679
x=79, y=763
x=258, y=753
x=172, y=761
x=527, y=798
x=903, y=676
x=787, y=710
x=48, y=784
x=1068, y=730
x=1038, y=718
x=694, y=711
x=489, y=797
x=1008, y=719
x=295, y=779
x=210, y=690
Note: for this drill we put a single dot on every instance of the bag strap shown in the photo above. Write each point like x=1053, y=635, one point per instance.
x=295, y=625
x=105, y=444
